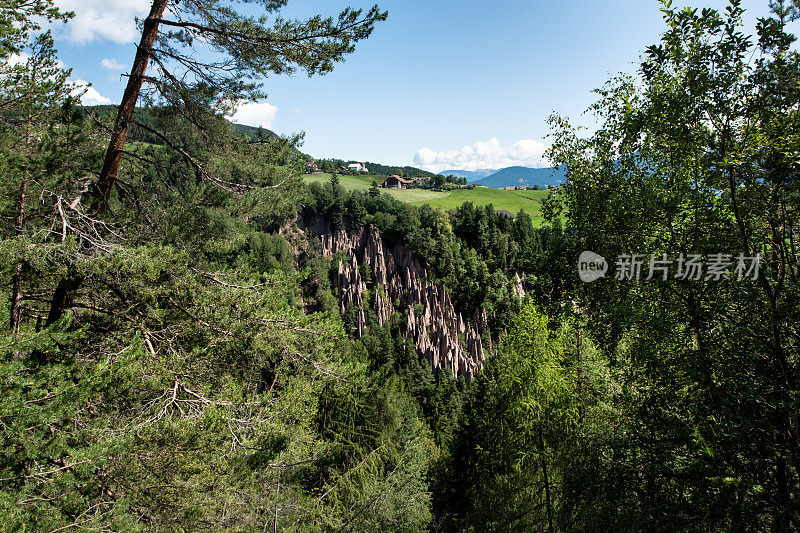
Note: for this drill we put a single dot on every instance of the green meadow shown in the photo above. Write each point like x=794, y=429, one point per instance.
x=529, y=201
x=350, y=183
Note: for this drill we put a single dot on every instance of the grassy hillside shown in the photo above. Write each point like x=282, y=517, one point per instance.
x=530, y=201
x=513, y=201
x=350, y=183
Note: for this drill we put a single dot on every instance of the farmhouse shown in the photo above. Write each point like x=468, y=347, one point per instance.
x=396, y=182
x=357, y=167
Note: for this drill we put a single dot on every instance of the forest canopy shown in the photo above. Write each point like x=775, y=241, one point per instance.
x=180, y=353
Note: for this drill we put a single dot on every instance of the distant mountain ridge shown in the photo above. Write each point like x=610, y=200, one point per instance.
x=516, y=176
x=511, y=176
x=471, y=175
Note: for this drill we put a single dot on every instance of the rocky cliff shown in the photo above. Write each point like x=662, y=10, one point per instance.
x=397, y=277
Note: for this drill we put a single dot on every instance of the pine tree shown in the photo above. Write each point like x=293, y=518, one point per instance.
x=249, y=49
x=35, y=87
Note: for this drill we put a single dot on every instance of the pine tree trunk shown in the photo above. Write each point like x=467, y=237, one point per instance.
x=19, y=226
x=16, y=298
x=108, y=175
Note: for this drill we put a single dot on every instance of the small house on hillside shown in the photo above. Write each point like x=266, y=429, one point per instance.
x=396, y=182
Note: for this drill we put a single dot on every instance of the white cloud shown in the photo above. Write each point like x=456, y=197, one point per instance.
x=255, y=114
x=112, y=64
x=90, y=96
x=23, y=57
x=18, y=59
x=484, y=155
x=99, y=20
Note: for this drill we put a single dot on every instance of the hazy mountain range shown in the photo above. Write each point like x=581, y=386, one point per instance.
x=471, y=175
x=511, y=176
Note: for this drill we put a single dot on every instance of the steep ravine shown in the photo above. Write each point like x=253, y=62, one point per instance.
x=439, y=333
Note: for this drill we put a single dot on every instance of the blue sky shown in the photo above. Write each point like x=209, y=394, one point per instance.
x=442, y=84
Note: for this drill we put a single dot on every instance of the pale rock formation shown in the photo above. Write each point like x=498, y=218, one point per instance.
x=438, y=332
x=518, y=289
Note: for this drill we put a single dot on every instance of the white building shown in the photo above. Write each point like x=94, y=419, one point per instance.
x=357, y=167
